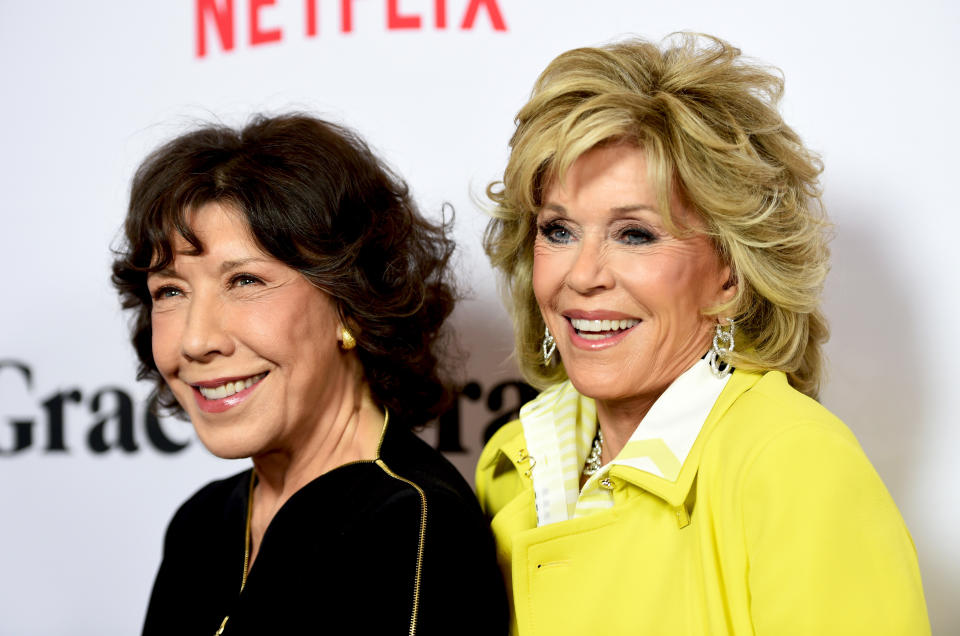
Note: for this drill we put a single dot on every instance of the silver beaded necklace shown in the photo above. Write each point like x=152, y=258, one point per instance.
x=592, y=464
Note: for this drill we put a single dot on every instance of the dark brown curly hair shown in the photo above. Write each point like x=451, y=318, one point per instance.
x=316, y=198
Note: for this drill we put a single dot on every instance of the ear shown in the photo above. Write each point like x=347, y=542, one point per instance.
x=728, y=286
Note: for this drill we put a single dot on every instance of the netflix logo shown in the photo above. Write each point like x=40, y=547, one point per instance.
x=216, y=21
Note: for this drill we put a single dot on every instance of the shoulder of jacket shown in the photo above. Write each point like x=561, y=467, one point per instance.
x=206, y=506
x=510, y=434
x=772, y=406
x=497, y=478
x=451, y=502
x=773, y=420
x=217, y=490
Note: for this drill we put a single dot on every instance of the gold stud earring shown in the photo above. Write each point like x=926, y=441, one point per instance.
x=347, y=341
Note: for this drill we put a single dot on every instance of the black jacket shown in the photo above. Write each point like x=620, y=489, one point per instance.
x=346, y=554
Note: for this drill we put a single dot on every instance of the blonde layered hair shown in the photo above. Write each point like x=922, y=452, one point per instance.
x=708, y=122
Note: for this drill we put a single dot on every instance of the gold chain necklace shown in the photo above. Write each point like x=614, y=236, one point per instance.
x=246, y=546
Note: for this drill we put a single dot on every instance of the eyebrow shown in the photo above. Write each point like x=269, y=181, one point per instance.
x=637, y=207
x=620, y=209
x=556, y=207
x=226, y=266
x=166, y=272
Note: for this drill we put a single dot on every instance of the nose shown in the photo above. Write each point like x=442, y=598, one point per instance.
x=204, y=334
x=589, y=272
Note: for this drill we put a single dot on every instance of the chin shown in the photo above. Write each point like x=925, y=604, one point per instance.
x=225, y=443
x=598, y=386
x=606, y=384
x=227, y=453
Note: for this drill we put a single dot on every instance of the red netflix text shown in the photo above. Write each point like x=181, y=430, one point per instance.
x=216, y=19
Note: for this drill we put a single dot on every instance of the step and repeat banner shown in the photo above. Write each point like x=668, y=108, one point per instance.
x=89, y=479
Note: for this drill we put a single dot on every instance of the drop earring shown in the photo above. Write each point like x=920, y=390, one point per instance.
x=548, y=346
x=723, y=344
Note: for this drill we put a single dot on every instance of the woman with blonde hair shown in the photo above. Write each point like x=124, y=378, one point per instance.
x=663, y=250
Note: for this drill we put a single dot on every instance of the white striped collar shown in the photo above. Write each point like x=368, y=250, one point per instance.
x=560, y=424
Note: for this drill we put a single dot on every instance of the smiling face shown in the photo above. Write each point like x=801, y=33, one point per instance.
x=247, y=345
x=623, y=297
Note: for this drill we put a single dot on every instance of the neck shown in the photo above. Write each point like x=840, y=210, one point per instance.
x=348, y=431
x=620, y=417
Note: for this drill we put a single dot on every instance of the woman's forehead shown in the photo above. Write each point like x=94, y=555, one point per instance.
x=617, y=176
x=213, y=228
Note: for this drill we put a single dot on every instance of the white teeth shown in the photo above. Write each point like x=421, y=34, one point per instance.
x=229, y=388
x=597, y=326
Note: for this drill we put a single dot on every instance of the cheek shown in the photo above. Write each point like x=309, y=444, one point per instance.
x=547, y=273
x=667, y=285
x=705, y=279
x=274, y=336
x=164, y=342
x=303, y=329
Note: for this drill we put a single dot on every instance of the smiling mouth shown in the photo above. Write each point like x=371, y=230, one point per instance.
x=227, y=389
x=600, y=329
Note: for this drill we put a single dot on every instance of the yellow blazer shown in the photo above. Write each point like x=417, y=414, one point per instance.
x=777, y=524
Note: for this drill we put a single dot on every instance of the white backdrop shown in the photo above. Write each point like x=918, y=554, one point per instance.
x=90, y=87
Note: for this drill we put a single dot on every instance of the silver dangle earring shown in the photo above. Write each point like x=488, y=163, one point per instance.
x=548, y=346
x=722, y=346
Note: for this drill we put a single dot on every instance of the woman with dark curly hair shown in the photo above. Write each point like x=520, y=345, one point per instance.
x=288, y=299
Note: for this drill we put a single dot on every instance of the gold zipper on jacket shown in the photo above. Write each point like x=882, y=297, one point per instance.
x=423, y=532
x=246, y=547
